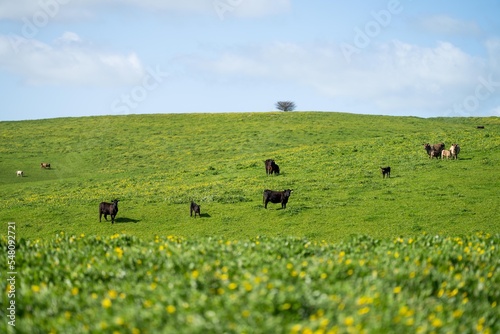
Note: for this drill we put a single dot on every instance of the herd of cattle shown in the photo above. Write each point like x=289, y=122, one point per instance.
x=42, y=165
x=272, y=196
x=268, y=195
x=438, y=151
x=433, y=151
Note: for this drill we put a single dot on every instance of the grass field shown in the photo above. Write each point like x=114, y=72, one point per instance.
x=120, y=284
x=351, y=253
x=155, y=164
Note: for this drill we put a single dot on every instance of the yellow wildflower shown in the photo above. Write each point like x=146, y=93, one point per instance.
x=112, y=294
x=106, y=303
x=195, y=274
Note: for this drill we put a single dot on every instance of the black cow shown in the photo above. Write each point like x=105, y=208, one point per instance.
x=194, y=208
x=108, y=209
x=271, y=167
x=276, y=168
x=276, y=197
x=386, y=171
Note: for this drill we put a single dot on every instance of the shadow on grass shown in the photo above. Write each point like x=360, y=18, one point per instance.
x=203, y=215
x=126, y=220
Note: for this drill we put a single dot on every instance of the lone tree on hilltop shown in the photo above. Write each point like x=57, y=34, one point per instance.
x=285, y=105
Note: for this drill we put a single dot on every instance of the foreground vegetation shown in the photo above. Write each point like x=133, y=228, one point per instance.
x=155, y=165
x=121, y=284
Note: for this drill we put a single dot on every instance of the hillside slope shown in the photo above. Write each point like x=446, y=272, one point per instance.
x=156, y=164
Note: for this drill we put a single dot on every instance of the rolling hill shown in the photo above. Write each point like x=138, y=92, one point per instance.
x=156, y=164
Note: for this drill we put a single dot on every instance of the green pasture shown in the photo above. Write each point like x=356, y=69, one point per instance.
x=155, y=164
x=121, y=284
x=351, y=253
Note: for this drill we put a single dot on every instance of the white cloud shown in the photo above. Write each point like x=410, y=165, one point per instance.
x=443, y=24
x=63, y=9
x=495, y=111
x=67, y=62
x=68, y=38
x=391, y=76
x=257, y=8
x=493, y=48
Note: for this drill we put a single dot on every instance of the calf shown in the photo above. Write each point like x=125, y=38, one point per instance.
x=276, y=197
x=454, y=149
x=276, y=168
x=194, y=208
x=445, y=154
x=386, y=171
x=20, y=173
x=108, y=209
x=44, y=165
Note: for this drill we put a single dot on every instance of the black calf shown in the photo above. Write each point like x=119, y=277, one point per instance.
x=194, y=208
x=386, y=171
x=108, y=209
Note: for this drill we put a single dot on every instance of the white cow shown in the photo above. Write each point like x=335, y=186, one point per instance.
x=445, y=154
x=20, y=173
x=454, y=149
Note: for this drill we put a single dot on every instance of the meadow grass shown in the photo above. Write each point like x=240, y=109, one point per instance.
x=352, y=252
x=156, y=164
x=121, y=284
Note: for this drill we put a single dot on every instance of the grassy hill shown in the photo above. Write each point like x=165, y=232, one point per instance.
x=155, y=164
x=414, y=253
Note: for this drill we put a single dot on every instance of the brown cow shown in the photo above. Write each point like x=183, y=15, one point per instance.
x=434, y=150
x=44, y=165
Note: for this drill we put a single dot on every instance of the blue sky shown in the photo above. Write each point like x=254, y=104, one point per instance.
x=61, y=58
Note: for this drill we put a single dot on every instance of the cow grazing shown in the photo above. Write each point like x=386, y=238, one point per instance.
x=44, y=165
x=434, y=150
x=428, y=149
x=276, y=168
x=194, y=208
x=480, y=126
x=20, y=173
x=445, y=154
x=386, y=171
x=454, y=149
x=271, y=167
x=276, y=197
x=108, y=209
